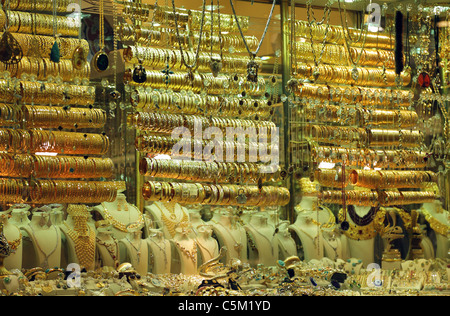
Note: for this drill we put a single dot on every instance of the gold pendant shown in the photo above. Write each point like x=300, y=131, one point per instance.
x=101, y=61
x=78, y=58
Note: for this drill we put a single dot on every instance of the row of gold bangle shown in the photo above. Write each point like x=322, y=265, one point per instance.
x=43, y=24
x=352, y=197
x=166, y=123
x=335, y=35
x=355, y=95
x=188, y=148
x=38, y=166
x=22, y=141
x=66, y=45
x=45, y=69
x=192, y=104
x=394, y=198
x=39, y=6
x=158, y=58
x=335, y=54
x=331, y=178
x=13, y=190
x=387, y=137
x=361, y=116
x=215, y=194
x=7, y=114
x=202, y=171
x=41, y=116
x=178, y=81
x=337, y=134
x=61, y=191
x=343, y=75
x=388, y=179
x=357, y=157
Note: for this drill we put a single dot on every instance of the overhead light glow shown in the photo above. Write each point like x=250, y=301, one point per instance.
x=46, y=154
x=326, y=165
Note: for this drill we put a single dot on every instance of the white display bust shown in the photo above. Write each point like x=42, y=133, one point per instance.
x=207, y=246
x=185, y=252
x=261, y=235
x=56, y=214
x=307, y=230
x=232, y=235
x=19, y=214
x=120, y=214
x=168, y=216
x=14, y=236
x=284, y=242
x=107, y=245
x=160, y=252
x=45, y=250
x=134, y=249
x=441, y=216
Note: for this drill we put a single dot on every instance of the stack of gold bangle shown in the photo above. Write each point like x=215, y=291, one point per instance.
x=332, y=113
x=387, y=159
x=61, y=191
x=378, y=179
x=202, y=171
x=166, y=123
x=400, y=118
x=41, y=6
x=54, y=117
x=66, y=45
x=394, y=198
x=215, y=194
x=352, y=197
x=354, y=95
x=44, y=69
x=13, y=190
x=189, y=148
x=7, y=114
x=331, y=178
x=25, y=166
x=335, y=35
x=177, y=103
x=158, y=58
x=343, y=75
x=55, y=94
x=337, y=134
x=140, y=35
x=27, y=22
x=334, y=54
x=388, y=137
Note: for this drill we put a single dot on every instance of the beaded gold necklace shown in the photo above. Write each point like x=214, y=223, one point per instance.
x=121, y=226
x=171, y=223
x=366, y=232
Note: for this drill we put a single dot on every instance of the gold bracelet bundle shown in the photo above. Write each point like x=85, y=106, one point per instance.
x=335, y=35
x=140, y=35
x=157, y=58
x=202, y=171
x=332, y=113
x=41, y=116
x=7, y=114
x=166, y=123
x=41, y=6
x=215, y=194
x=27, y=22
x=335, y=54
x=66, y=45
x=393, y=198
x=337, y=134
x=387, y=179
x=392, y=118
x=354, y=95
x=352, y=197
x=55, y=94
x=177, y=103
x=60, y=191
x=188, y=148
x=343, y=75
x=331, y=178
x=356, y=157
x=387, y=137
x=44, y=69
x=70, y=167
x=13, y=190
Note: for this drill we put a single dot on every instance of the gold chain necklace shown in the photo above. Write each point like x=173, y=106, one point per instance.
x=367, y=232
x=101, y=60
x=120, y=226
x=191, y=254
x=84, y=245
x=171, y=223
x=436, y=225
x=112, y=248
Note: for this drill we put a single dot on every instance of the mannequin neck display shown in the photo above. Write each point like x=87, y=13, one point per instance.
x=46, y=241
x=284, y=241
x=332, y=244
x=207, y=246
x=186, y=252
x=14, y=236
x=57, y=214
x=232, y=235
x=439, y=221
x=107, y=247
x=308, y=203
x=261, y=241
x=19, y=217
x=195, y=218
x=134, y=249
x=363, y=249
x=160, y=256
x=121, y=214
x=307, y=228
x=168, y=216
x=80, y=238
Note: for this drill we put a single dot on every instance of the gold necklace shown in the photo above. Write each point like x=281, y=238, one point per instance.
x=171, y=224
x=367, y=232
x=191, y=254
x=112, y=248
x=84, y=244
x=120, y=226
x=436, y=225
